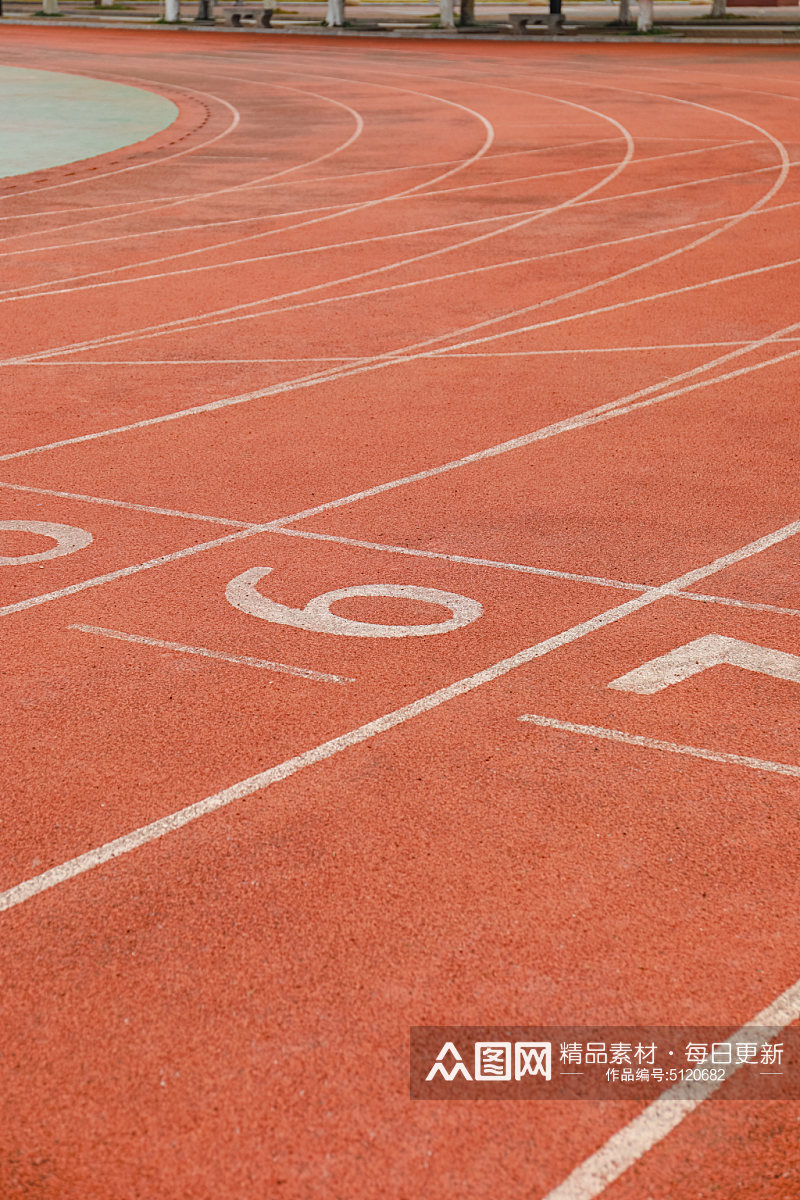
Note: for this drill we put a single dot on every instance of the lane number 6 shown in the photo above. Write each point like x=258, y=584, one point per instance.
x=317, y=617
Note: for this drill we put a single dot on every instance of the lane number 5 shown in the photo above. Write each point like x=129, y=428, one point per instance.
x=67, y=538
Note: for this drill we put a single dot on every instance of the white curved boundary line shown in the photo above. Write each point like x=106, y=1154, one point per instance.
x=171, y=202
x=329, y=208
x=408, y=353
x=53, y=287
x=386, y=361
x=785, y=164
x=341, y=178
x=338, y=373
x=135, y=166
x=336, y=209
x=180, y=323
x=183, y=323
x=557, y=100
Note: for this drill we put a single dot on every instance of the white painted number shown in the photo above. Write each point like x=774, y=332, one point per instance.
x=317, y=617
x=699, y=655
x=68, y=539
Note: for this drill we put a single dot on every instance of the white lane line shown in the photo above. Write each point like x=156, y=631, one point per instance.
x=184, y=325
x=644, y=160
x=215, y=317
x=523, y=91
x=402, y=233
x=217, y=362
x=338, y=211
x=223, y=362
x=234, y=220
x=8, y=298
x=197, y=226
x=785, y=165
x=343, y=177
x=55, y=287
x=355, y=358
x=243, y=659
x=314, y=249
x=535, y=353
x=255, y=783
x=401, y=356
x=56, y=290
x=524, y=568
x=631, y=739
x=743, y=121
x=419, y=350
x=147, y=508
x=446, y=162
x=593, y=416
x=651, y=1126
x=460, y=558
x=528, y=570
x=751, y=604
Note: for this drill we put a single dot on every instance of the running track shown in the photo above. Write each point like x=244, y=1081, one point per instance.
x=519, y=324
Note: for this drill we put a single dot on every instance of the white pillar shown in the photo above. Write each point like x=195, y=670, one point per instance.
x=644, y=21
x=106, y=3
x=447, y=18
x=718, y=8
x=50, y=8
x=172, y=10
x=335, y=15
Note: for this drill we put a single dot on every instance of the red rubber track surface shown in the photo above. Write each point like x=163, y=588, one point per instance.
x=346, y=264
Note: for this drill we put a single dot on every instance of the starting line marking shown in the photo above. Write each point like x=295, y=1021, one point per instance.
x=461, y=558
x=749, y=604
x=147, y=508
x=136, y=838
x=632, y=739
x=244, y=659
